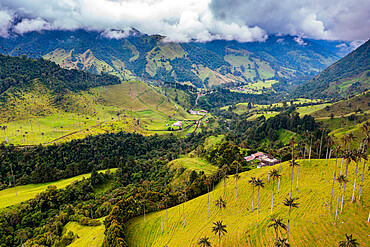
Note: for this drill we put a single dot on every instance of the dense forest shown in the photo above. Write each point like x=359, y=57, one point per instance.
x=18, y=72
x=42, y=164
x=328, y=83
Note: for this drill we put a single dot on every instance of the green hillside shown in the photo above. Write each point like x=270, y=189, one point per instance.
x=205, y=65
x=40, y=107
x=348, y=76
x=312, y=219
x=13, y=196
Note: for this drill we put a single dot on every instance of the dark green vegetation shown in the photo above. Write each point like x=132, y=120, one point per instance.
x=347, y=77
x=16, y=72
x=201, y=64
x=50, y=163
x=19, y=75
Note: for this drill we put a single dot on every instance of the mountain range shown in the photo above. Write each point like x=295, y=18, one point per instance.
x=347, y=77
x=203, y=65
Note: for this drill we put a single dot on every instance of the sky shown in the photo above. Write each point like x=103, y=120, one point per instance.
x=193, y=20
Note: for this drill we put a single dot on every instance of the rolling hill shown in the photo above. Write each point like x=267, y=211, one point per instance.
x=349, y=76
x=311, y=223
x=203, y=65
x=43, y=103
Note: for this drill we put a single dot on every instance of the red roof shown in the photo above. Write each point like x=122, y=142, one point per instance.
x=249, y=158
x=257, y=154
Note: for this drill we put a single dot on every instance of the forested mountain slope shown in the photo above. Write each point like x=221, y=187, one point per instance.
x=348, y=76
x=150, y=57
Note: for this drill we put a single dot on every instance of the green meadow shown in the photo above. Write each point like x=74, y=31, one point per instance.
x=312, y=223
x=13, y=196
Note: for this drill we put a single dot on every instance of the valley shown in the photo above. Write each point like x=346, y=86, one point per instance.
x=115, y=138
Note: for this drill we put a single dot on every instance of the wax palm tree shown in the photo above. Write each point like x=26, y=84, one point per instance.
x=225, y=170
x=219, y=229
x=236, y=177
x=299, y=155
x=252, y=181
x=336, y=150
x=309, y=155
x=143, y=200
x=363, y=172
x=280, y=153
x=183, y=199
x=208, y=184
x=349, y=155
x=274, y=175
x=341, y=179
x=282, y=242
x=359, y=155
x=204, y=242
x=259, y=184
x=160, y=206
x=291, y=204
x=277, y=224
x=166, y=199
x=322, y=135
x=220, y=203
x=293, y=163
x=349, y=242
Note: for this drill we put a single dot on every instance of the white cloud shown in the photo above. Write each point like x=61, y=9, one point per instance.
x=299, y=40
x=329, y=19
x=201, y=20
x=5, y=23
x=28, y=25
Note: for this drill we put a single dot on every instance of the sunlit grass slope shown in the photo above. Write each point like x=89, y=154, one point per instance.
x=311, y=223
x=8, y=197
x=92, y=236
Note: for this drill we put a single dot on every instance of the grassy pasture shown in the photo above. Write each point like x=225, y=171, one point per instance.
x=8, y=196
x=92, y=236
x=311, y=223
x=88, y=113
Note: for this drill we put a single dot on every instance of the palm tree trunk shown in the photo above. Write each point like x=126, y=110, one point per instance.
x=368, y=219
x=354, y=183
x=225, y=187
x=336, y=211
x=362, y=180
x=208, y=202
x=15, y=185
x=344, y=188
x=213, y=190
x=341, y=166
x=287, y=232
x=236, y=189
x=258, y=204
x=309, y=155
x=183, y=211
x=144, y=214
x=272, y=199
x=252, y=198
x=179, y=213
x=322, y=135
x=291, y=182
x=327, y=153
x=279, y=176
x=297, y=179
x=162, y=221
x=335, y=174
x=221, y=211
x=166, y=218
x=268, y=175
x=219, y=240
